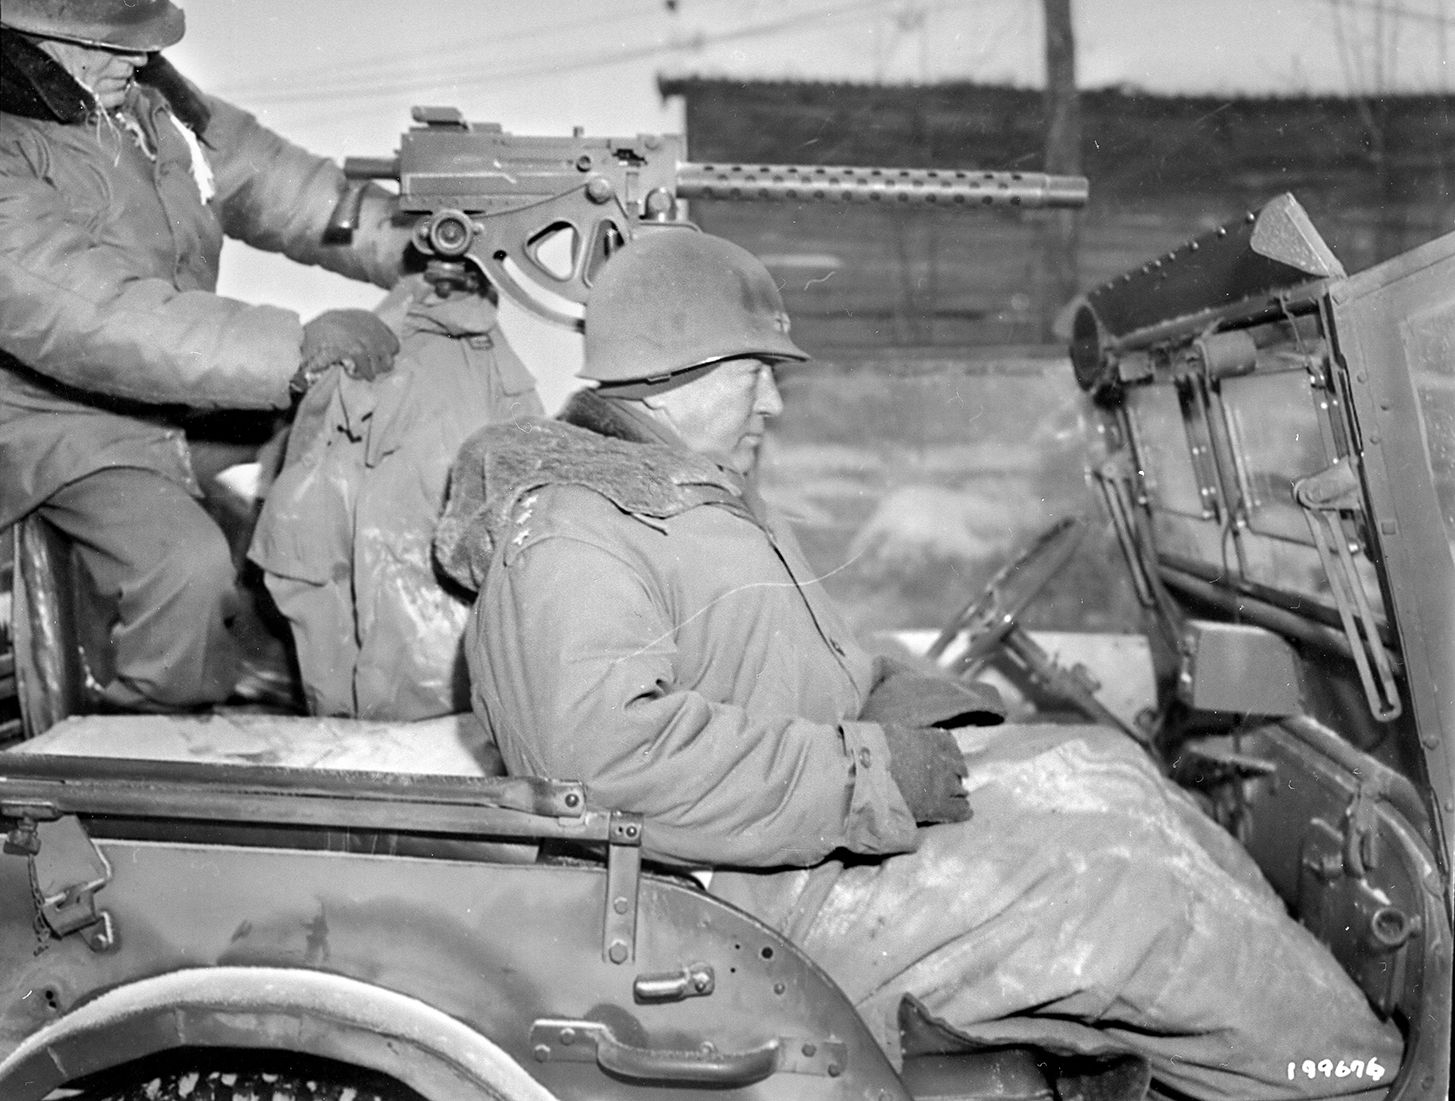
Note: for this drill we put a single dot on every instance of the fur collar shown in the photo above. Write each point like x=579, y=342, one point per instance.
x=594, y=444
x=35, y=85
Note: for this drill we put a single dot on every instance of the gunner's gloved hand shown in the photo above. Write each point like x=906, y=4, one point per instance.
x=355, y=339
x=930, y=770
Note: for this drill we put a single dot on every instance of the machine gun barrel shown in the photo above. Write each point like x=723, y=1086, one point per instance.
x=538, y=215
x=913, y=186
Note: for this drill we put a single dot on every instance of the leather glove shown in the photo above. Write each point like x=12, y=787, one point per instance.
x=930, y=770
x=355, y=339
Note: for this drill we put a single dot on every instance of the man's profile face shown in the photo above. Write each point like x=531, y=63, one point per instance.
x=724, y=414
x=108, y=73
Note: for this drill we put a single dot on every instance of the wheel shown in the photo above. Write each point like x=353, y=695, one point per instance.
x=234, y=1078
x=988, y=617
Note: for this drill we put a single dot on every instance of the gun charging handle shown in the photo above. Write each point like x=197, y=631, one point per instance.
x=358, y=171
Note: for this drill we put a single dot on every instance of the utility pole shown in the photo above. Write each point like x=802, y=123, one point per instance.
x=1063, y=157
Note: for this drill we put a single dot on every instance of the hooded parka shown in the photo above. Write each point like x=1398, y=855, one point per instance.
x=109, y=245
x=645, y=625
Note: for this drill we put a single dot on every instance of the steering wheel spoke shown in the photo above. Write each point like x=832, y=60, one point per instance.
x=987, y=618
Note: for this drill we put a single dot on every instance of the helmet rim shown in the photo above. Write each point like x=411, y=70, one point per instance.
x=141, y=26
x=672, y=302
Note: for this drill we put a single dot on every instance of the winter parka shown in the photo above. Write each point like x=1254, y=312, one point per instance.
x=109, y=246
x=595, y=648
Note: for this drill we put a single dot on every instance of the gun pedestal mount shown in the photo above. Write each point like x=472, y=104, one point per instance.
x=539, y=215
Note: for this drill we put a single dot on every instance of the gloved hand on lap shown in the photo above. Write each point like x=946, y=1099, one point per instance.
x=356, y=339
x=902, y=694
x=929, y=769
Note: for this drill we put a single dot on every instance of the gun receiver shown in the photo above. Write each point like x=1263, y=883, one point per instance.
x=539, y=215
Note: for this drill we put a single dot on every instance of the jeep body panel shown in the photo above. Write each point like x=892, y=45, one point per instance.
x=650, y=981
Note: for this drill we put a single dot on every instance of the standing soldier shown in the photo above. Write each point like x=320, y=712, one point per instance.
x=118, y=182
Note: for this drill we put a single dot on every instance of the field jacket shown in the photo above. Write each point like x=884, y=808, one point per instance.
x=109, y=244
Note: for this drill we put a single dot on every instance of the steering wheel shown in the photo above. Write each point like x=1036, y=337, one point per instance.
x=990, y=616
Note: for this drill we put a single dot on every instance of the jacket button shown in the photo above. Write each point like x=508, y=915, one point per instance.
x=865, y=758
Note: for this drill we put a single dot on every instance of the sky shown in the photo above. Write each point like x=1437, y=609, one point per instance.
x=340, y=76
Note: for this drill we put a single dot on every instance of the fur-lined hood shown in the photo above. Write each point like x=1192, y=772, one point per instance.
x=593, y=444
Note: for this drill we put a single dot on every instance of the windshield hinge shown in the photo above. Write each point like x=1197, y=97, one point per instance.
x=1324, y=498
x=66, y=872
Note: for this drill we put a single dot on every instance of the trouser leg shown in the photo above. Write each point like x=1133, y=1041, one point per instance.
x=325, y=640
x=1088, y=901
x=157, y=558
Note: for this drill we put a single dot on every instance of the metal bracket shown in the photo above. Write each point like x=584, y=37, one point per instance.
x=1324, y=497
x=67, y=870
x=1114, y=479
x=623, y=879
x=1361, y=827
x=581, y=1041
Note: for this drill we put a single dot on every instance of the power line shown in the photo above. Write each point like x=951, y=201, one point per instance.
x=302, y=83
x=1388, y=7
x=474, y=76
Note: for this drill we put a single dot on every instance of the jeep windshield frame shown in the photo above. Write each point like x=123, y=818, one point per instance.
x=1293, y=436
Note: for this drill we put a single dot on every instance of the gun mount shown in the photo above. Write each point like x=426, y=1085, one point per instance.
x=540, y=214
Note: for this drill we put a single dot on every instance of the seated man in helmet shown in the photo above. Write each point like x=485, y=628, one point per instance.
x=646, y=624
x=118, y=181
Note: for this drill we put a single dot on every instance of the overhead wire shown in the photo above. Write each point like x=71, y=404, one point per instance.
x=373, y=85
x=373, y=89
x=440, y=59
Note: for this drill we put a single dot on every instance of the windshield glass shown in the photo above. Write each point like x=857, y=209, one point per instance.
x=1434, y=379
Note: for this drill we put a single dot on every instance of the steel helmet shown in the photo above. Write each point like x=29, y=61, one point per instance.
x=142, y=26
x=674, y=299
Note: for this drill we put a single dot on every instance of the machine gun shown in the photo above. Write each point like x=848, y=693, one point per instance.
x=539, y=215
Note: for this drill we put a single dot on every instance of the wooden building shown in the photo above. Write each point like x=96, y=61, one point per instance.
x=1377, y=177
x=941, y=427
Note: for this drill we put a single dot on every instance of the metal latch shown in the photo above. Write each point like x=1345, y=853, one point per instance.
x=694, y=981
x=1323, y=497
x=67, y=869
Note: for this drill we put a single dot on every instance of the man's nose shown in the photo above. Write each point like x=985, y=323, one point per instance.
x=770, y=401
